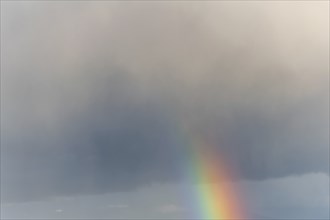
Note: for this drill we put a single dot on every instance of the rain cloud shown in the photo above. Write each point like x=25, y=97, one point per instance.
x=93, y=94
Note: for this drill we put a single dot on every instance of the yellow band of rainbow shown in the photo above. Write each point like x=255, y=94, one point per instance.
x=215, y=194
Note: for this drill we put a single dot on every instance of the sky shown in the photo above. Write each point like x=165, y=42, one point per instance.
x=102, y=101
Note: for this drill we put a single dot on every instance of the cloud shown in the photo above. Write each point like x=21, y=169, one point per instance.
x=293, y=197
x=118, y=206
x=303, y=197
x=94, y=95
x=169, y=208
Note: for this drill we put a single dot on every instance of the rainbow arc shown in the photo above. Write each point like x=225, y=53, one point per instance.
x=214, y=194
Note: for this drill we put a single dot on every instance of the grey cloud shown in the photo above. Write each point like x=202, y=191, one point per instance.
x=93, y=95
x=304, y=197
x=296, y=197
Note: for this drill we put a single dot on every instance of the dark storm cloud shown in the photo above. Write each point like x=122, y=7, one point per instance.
x=93, y=95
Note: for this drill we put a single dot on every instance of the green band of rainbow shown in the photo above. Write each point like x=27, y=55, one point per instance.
x=215, y=195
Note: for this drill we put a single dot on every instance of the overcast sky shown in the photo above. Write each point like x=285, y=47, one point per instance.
x=95, y=95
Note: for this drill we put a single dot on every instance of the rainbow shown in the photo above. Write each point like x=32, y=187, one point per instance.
x=213, y=194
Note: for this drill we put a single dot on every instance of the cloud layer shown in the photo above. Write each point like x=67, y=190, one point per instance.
x=294, y=197
x=94, y=94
